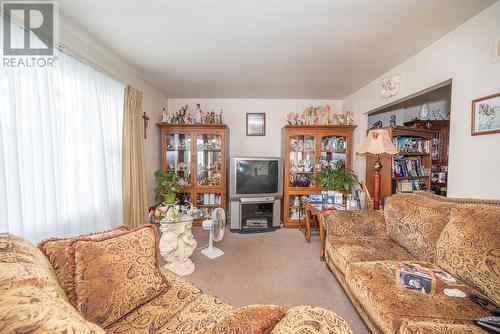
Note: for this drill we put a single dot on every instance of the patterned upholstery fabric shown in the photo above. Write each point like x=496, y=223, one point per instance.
x=31, y=309
x=360, y=223
x=415, y=221
x=252, y=319
x=57, y=250
x=438, y=327
x=469, y=248
x=311, y=319
x=374, y=286
x=346, y=250
x=31, y=299
x=108, y=287
x=154, y=315
x=198, y=317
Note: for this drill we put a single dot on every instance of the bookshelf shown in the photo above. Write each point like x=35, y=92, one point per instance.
x=410, y=169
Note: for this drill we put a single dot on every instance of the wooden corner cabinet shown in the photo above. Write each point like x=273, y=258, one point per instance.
x=306, y=150
x=410, y=168
x=199, y=155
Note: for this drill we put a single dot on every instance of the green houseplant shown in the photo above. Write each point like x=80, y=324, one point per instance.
x=167, y=185
x=337, y=177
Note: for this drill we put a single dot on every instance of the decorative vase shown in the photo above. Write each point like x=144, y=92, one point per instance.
x=169, y=199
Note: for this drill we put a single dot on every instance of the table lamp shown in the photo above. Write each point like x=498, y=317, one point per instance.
x=377, y=142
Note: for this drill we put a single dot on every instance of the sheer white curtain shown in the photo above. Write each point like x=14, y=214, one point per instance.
x=60, y=150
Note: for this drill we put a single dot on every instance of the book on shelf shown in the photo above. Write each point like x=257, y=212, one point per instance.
x=408, y=167
x=408, y=186
x=412, y=145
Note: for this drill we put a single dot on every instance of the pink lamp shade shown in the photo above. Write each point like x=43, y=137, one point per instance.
x=378, y=141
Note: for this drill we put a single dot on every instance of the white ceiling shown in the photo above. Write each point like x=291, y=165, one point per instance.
x=267, y=48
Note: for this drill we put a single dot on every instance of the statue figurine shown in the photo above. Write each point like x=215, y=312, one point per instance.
x=349, y=117
x=335, y=119
x=221, y=120
x=190, y=119
x=212, y=117
x=198, y=114
x=164, y=116
x=393, y=121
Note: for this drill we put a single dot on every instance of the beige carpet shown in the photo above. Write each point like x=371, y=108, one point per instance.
x=271, y=268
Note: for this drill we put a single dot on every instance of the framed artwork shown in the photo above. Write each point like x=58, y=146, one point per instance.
x=486, y=115
x=256, y=124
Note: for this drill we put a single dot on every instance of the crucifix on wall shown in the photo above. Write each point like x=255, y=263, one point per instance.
x=145, y=119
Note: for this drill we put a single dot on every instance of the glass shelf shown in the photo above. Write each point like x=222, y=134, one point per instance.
x=333, y=148
x=209, y=158
x=302, y=157
x=178, y=156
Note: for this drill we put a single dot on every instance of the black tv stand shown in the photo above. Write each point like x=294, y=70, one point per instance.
x=260, y=214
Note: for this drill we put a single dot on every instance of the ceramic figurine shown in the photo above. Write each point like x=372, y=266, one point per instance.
x=349, y=117
x=190, y=119
x=335, y=119
x=296, y=201
x=221, y=120
x=393, y=121
x=164, y=116
x=198, y=113
x=212, y=117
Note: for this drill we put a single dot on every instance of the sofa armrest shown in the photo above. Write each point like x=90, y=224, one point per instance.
x=311, y=319
x=357, y=223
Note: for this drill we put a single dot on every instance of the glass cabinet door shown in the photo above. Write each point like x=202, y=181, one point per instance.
x=302, y=155
x=333, y=149
x=209, y=160
x=178, y=156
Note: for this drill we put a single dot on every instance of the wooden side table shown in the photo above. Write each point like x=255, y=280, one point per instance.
x=318, y=211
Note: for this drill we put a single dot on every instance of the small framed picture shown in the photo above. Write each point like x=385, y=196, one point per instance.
x=256, y=124
x=486, y=115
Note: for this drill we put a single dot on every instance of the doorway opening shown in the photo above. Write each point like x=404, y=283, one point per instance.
x=423, y=117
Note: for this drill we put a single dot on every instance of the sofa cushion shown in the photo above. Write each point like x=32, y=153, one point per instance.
x=356, y=223
x=255, y=319
x=415, y=221
x=24, y=265
x=376, y=288
x=311, y=319
x=439, y=327
x=116, y=275
x=155, y=314
x=346, y=250
x=30, y=309
x=57, y=251
x=469, y=248
x=198, y=317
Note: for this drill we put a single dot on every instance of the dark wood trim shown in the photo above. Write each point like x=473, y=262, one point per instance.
x=473, y=119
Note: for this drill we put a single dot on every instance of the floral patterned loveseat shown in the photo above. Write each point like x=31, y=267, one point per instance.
x=33, y=301
x=461, y=237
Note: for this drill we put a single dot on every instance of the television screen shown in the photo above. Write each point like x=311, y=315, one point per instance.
x=257, y=177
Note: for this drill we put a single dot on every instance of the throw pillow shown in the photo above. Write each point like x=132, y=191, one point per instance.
x=116, y=275
x=57, y=251
x=469, y=248
x=252, y=319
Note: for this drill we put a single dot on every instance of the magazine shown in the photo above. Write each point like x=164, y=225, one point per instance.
x=414, y=277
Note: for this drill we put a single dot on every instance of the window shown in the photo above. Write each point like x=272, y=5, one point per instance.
x=60, y=149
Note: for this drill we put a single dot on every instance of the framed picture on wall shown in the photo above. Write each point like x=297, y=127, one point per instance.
x=486, y=115
x=256, y=124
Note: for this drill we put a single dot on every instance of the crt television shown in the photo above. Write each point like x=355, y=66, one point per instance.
x=255, y=177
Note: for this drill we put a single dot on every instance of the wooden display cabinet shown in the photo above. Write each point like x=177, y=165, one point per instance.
x=440, y=145
x=389, y=182
x=305, y=148
x=199, y=155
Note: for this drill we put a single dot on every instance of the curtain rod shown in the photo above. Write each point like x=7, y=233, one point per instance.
x=72, y=53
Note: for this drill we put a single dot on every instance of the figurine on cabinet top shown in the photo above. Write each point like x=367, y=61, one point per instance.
x=319, y=115
x=198, y=114
x=164, y=115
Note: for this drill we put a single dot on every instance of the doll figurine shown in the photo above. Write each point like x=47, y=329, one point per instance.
x=198, y=114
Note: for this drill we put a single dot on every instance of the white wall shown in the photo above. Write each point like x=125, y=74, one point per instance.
x=89, y=48
x=464, y=55
x=235, y=117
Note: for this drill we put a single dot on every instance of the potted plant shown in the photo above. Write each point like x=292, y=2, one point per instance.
x=337, y=177
x=168, y=186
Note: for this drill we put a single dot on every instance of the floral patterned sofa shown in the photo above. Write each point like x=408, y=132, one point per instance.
x=459, y=236
x=33, y=301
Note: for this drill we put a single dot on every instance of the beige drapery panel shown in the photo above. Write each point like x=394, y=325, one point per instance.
x=135, y=204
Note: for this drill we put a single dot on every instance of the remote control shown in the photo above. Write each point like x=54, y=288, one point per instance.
x=491, y=323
